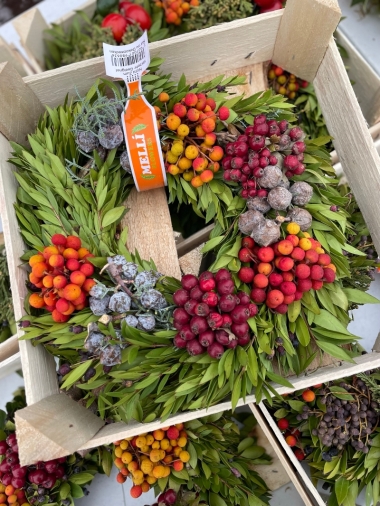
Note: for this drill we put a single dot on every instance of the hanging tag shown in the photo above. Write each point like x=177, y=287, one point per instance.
x=139, y=117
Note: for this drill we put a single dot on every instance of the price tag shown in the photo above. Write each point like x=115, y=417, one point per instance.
x=139, y=117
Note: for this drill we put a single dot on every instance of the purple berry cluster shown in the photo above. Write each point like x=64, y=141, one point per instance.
x=265, y=143
x=210, y=316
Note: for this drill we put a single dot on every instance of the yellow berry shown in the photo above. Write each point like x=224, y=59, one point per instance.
x=293, y=228
x=163, y=97
x=155, y=455
x=138, y=474
x=173, y=169
x=127, y=457
x=177, y=451
x=177, y=149
x=304, y=244
x=162, y=454
x=173, y=121
x=118, y=451
x=138, y=481
x=140, y=441
x=156, y=445
x=319, y=250
x=158, y=472
x=133, y=466
x=170, y=158
x=187, y=176
x=182, y=441
x=151, y=480
x=167, y=471
x=184, y=456
x=306, y=234
x=183, y=130
x=174, y=442
x=124, y=445
x=165, y=444
x=184, y=163
x=147, y=466
x=145, y=449
x=149, y=439
x=191, y=152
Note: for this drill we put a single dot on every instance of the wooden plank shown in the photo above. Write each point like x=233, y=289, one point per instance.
x=281, y=455
x=8, y=53
x=54, y=427
x=352, y=140
x=374, y=131
x=8, y=348
x=180, y=57
x=10, y=365
x=30, y=26
x=20, y=108
x=302, y=473
x=150, y=230
x=304, y=35
x=38, y=366
x=116, y=431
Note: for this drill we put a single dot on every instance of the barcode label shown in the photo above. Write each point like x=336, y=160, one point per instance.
x=127, y=62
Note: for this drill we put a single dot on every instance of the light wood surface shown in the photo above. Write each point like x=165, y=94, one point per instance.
x=58, y=416
x=9, y=53
x=8, y=348
x=304, y=34
x=252, y=40
x=9, y=365
x=20, y=108
x=352, y=141
x=291, y=457
x=281, y=457
x=150, y=230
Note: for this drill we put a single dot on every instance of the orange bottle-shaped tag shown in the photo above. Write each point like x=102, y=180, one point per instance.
x=143, y=141
x=139, y=117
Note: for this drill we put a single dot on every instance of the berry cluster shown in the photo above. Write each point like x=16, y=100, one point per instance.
x=255, y=157
x=175, y=9
x=168, y=498
x=151, y=456
x=129, y=14
x=210, y=316
x=285, y=83
x=281, y=273
x=29, y=484
x=195, y=154
x=62, y=272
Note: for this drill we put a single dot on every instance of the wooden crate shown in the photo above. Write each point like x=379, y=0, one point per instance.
x=289, y=38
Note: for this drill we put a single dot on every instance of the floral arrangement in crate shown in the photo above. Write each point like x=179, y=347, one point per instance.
x=275, y=297
x=334, y=428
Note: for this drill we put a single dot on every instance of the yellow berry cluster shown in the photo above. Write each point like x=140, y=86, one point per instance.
x=175, y=9
x=285, y=83
x=151, y=456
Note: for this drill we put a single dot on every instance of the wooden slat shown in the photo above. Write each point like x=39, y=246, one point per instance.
x=20, y=108
x=11, y=364
x=281, y=455
x=8, y=53
x=54, y=427
x=38, y=366
x=150, y=230
x=302, y=473
x=225, y=47
x=304, y=34
x=30, y=26
x=352, y=140
x=8, y=348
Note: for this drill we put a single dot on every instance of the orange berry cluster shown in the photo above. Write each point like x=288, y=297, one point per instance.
x=285, y=83
x=63, y=272
x=176, y=9
x=195, y=154
x=151, y=456
x=282, y=272
x=9, y=495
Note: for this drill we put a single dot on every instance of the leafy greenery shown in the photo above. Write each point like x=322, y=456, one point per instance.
x=7, y=322
x=213, y=12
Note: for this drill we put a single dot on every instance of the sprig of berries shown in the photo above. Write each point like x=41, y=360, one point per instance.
x=175, y=10
x=152, y=456
x=285, y=83
x=195, y=154
x=281, y=273
x=210, y=316
x=63, y=273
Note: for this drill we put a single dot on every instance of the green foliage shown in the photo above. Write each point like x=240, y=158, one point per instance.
x=7, y=323
x=213, y=12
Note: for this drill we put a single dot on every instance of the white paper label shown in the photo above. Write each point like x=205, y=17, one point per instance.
x=127, y=62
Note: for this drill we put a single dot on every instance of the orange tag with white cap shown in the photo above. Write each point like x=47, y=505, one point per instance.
x=139, y=117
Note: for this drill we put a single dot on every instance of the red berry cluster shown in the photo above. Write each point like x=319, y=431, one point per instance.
x=210, y=316
x=282, y=272
x=248, y=156
x=167, y=498
x=15, y=478
x=63, y=272
x=129, y=14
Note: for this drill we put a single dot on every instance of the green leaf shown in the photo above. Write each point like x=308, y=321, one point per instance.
x=236, y=393
x=107, y=462
x=104, y=7
x=341, y=489
x=76, y=490
x=138, y=128
x=81, y=478
x=296, y=405
x=334, y=351
x=245, y=443
x=328, y=321
x=64, y=490
x=112, y=216
x=76, y=374
x=302, y=331
x=359, y=297
x=253, y=452
x=279, y=379
x=294, y=310
x=216, y=500
x=212, y=243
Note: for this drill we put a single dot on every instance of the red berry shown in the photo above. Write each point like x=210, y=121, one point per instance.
x=240, y=329
x=181, y=316
x=179, y=342
x=225, y=286
x=245, y=255
x=291, y=440
x=58, y=240
x=186, y=333
x=223, y=274
x=205, y=338
x=240, y=314
x=210, y=298
x=198, y=324
x=258, y=295
x=299, y=454
x=201, y=309
x=227, y=303
x=137, y=14
x=117, y=23
x=180, y=297
x=215, y=350
x=196, y=293
x=189, y=281
x=246, y=274
x=190, y=306
x=215, y=320
x=283, y=424
x=247, y=242
x=222, y=337
x=206, y=285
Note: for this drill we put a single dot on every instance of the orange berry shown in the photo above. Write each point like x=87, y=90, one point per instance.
x=163, y=97
x=155, y=455
x=158, y=472
x=48, y=281
x=124, y=471
x=291, y=440
x=70, y=253
x=208, y=125
x=199, y=131
x=3, y=499
x=184, y=456
x=120, y=478
x=12, y=499
x=59, y=317
x=196, y=182
x=331, y=266
x=308, y=395
x=71, y=291
x=136, y=491
x=168, y=459
x=39, y=269
x=158, y=434
x=145, y=487
x=36, y=301
x=293, y=239
x=49, y=251
x=82, y=299
x=36, y=259
x=207, y=176
x=82, y=252
x=182, y=441
x=264, y=268
x=33, y=279
x=173, y=121
x=88, y=284
x=133, y=466
x=56, y=261
x=77, y=278
x=192, y=114
x=285, y=247
x=185, y=7
x=178, y=465
x=9, y=489
x=73, y=242
x=216, y=154
x=200, y=164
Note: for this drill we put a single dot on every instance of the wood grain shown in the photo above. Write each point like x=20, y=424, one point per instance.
x=150, y=230
x=352, y=141
x=226, y=47
x=275, y=447
x=9, y=53
x=304, y=34
x=54, y=427
x=10, y=365
x=308, y=485
x=20, y=108
x=38, y=366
